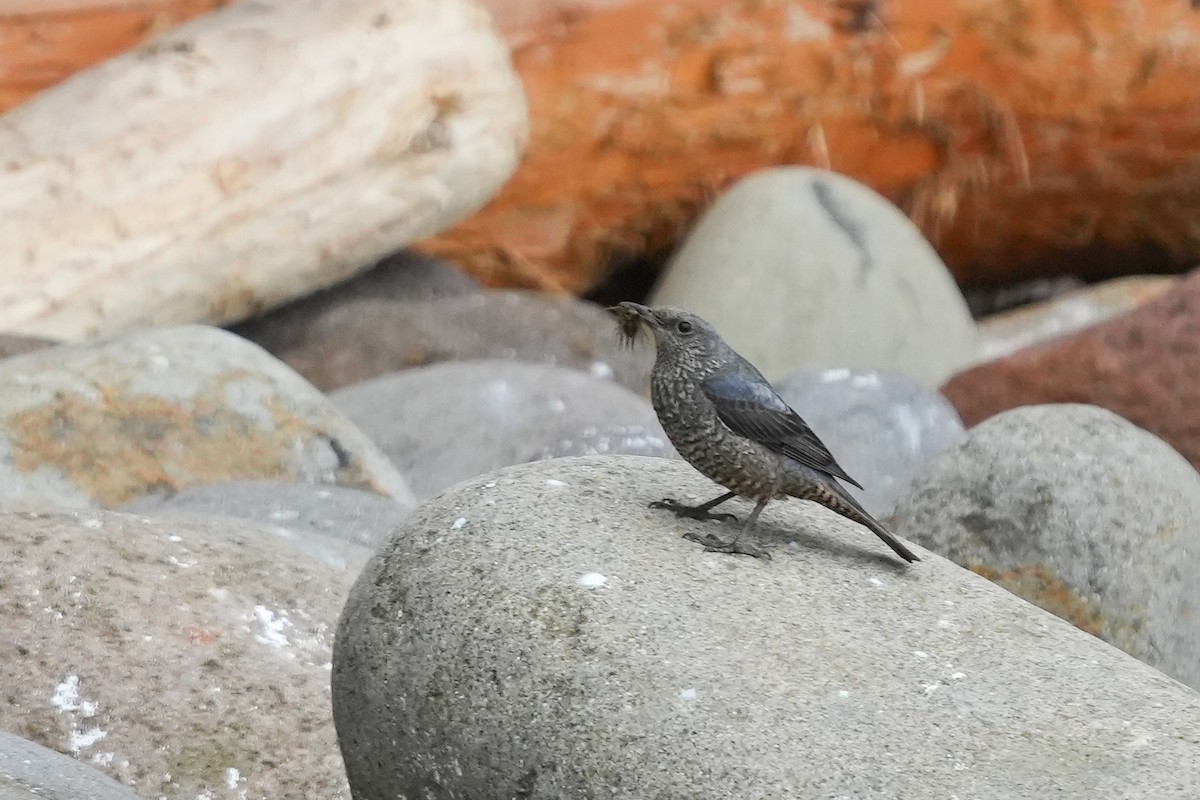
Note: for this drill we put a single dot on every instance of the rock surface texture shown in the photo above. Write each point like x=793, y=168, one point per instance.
x=882, y=427
x=164, y=409
x=1080, y=512
x=801, y=268
x=319, y=518
x=1144, y=365
x=185, y=660
x=29, y=771
x=448, y=422
x=540, y=633
x=365, y=338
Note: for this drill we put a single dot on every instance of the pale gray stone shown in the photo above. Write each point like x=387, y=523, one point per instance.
x=320, y=520
x=364, y=338
x=1081, y=512
x=882, y=427
x=800, y=268
x=540, y=633
x=29, y=771
x=445, y=423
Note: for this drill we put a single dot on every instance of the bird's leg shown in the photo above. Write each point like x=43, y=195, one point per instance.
x=714, y=545
x=702, y=511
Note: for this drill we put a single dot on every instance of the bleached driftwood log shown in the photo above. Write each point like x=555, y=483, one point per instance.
x=250, y=156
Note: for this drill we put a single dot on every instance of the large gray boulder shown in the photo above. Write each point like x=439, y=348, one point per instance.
x=800, y=268
x=102, y=423
x=448, y=422
x=540, y=633
x=184, y=658
x=1081, y=512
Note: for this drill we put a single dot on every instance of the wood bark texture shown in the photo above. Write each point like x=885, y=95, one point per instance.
x=1024, y=137
x=252, y=155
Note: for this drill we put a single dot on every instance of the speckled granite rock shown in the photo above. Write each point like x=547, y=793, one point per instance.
x=184, y=659
x=1080, y=512
x=166, y=409
x=540, y=633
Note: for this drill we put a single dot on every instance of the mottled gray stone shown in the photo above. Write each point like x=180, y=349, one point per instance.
x=187, y=659
x=101, y=423
x=1081, y=512
x=882, y=427
x=15, y=344
x=405, y=277
x=29, y=771
x=540, y=633
x=364, y=338
x=799, y=268
x=318, y=519
x=613, y=440
x=448, y=422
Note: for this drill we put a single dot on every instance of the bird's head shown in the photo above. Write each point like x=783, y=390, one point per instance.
x=678, y=334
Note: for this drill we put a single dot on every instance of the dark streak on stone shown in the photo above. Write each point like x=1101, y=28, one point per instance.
x=343, y=455
x=853, y=230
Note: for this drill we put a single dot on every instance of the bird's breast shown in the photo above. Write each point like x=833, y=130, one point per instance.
x=704, y=441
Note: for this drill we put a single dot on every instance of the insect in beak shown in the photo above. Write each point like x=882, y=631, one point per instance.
x=629, y=322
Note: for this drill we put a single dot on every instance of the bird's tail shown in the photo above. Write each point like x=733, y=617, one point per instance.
x=857, y=513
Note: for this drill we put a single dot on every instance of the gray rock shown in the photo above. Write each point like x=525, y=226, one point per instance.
x=1081, y=512
x=15, y=344
x=882, y=427
x=448, y=422
x=165, y=409
x=799, y=268
x=613, y=440
x=317, y=518
x=365, y=338
x=540, y=633
x=186, y=660
x=405, y=277
x=29, y=771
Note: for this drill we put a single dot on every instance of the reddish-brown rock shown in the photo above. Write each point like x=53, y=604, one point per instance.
x=1144, y=365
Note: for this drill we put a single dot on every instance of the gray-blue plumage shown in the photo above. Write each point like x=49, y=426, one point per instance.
x=750, y=407
x=725, y=419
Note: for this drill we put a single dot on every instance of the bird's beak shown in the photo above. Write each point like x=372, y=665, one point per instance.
x=628, y=309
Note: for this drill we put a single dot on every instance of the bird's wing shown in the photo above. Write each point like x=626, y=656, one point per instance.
x=751, y=408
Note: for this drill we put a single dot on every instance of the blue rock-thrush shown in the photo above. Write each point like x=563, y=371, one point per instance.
x=725, y=419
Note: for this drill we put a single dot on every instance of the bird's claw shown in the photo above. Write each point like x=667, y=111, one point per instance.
x=714, y=545
x=693, y=512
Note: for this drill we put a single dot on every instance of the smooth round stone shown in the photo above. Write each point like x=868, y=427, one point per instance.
x=448, y=422
x=801, y=268
x=628, y=440
x=540, y=633
x=882, y=427
x=1080, y=512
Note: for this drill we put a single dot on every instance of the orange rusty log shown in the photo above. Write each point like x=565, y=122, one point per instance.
x=1022, y=136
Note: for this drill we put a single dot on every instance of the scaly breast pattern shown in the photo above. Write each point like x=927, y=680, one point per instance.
x=692, y=425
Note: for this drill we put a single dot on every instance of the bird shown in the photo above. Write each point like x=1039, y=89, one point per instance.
x=728, y=422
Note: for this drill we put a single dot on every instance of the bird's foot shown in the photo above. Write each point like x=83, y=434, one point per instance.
x=693, y=512
x=714, y=545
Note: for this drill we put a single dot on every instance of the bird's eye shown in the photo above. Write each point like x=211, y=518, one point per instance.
x=683, y=326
